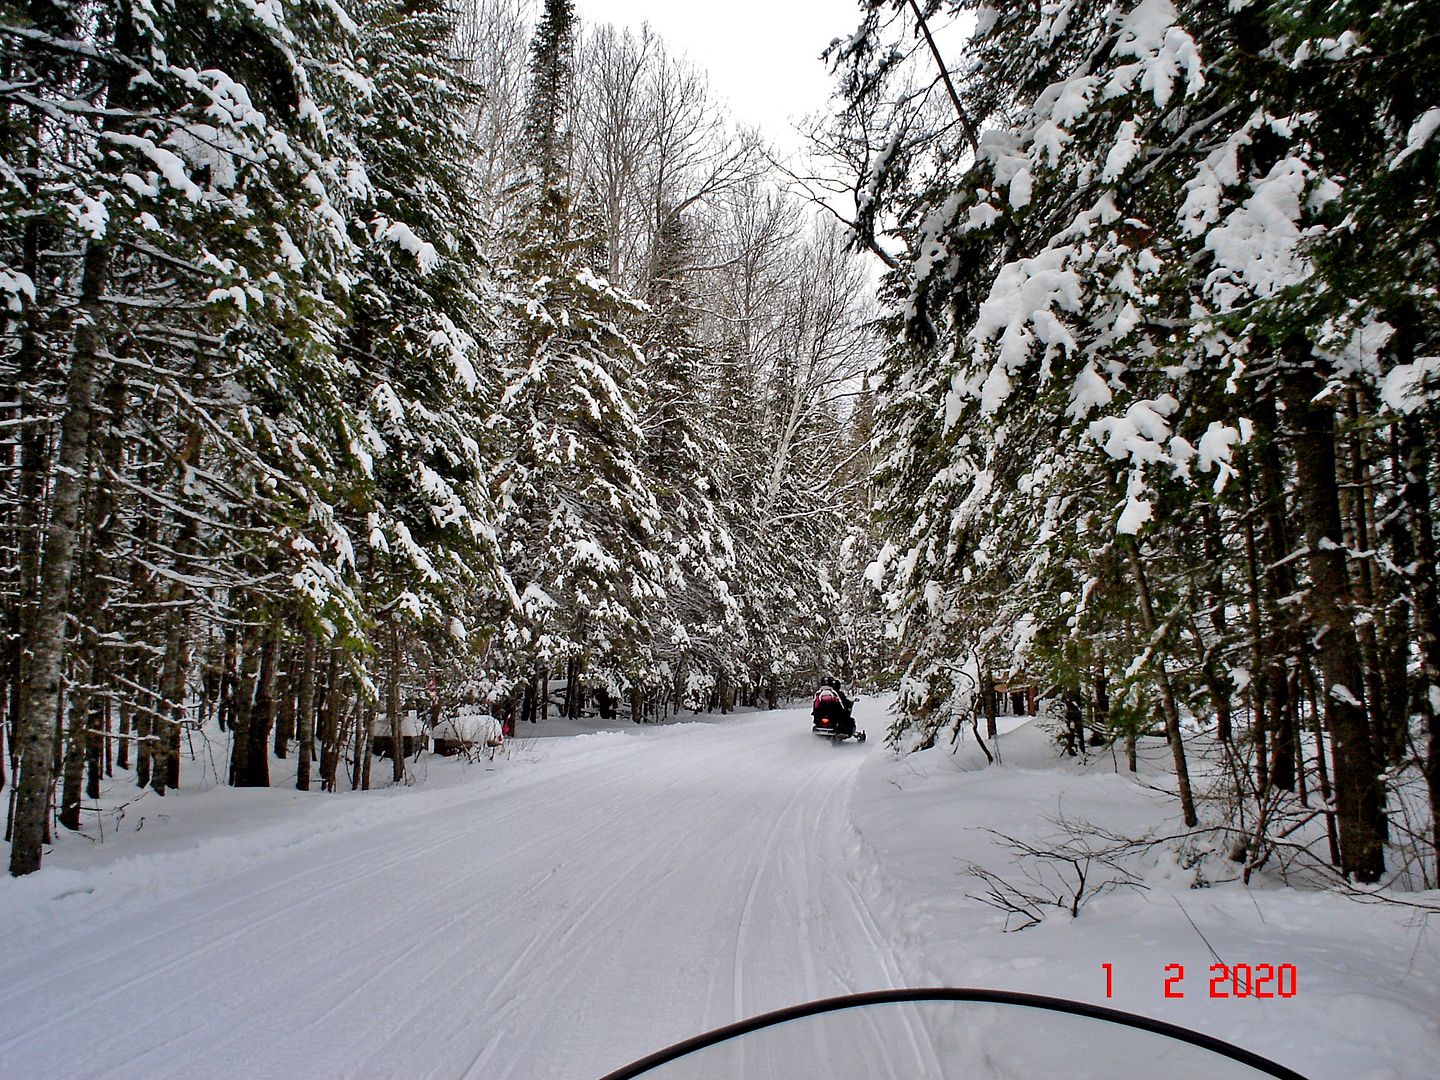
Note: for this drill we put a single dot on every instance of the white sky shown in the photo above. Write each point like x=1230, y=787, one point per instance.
x=763, y=56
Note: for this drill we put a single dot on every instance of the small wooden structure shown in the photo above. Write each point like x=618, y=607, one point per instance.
x=412, y=734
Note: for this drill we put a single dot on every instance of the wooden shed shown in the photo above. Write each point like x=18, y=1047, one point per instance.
x=412, y=734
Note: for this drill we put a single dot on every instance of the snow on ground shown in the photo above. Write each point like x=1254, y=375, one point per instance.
x=580, y=901
x=1367, y=976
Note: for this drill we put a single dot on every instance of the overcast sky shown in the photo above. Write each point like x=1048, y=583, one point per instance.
x=763, y=56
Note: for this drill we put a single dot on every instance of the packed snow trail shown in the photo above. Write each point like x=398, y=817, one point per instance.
x=550, y=920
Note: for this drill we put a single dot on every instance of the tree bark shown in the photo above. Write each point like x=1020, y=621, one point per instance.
x=36, y=724
x=392, y=705
x=177, y=652
x=330, y=723
x=305, y=715
x=572, y=688
x=124, y=730
x=1400, y=626
x=365, y=717
x=1276, y=739
x=1167, y=692
x=250, y=760
x=285, y=704
x=987, y=698
x=1425, y=601
x=1356, y=498
x=34, y=455
x=1359, y=799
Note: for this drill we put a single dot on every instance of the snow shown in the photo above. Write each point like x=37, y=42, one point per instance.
x=410, y=724
x=1216, y=449
x=1139, y=434
x=469, y=725
x=1257, y=248
x=584, y=899
x=91, y=216
x=1089, y=392
x=1126, y=147
x=1020, y=310
x=17, y=288
x=1164, y=52
x=403, y=237
x=171, y=166
x=1138, y=509
x=1408, y=387
x=1377, y=967
x=1418, y=135
x=1021, y=187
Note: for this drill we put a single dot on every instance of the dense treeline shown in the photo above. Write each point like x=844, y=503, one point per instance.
x=362, y=357
x=1160, y=432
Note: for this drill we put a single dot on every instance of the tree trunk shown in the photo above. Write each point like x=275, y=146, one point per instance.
x=572, y=688
x=229, y=678
x=330, y=723
x=1256, y=691
x=1400, y=627
x=1425, y=601
x=1167, y=692
x=177, y=653
x=305, y=715
x=72, y=780
x=285, y=705
x=1276, y=738
x=93, y=712
x=1074, y=722
x=528, y=703
x=122, y=751
x=34, y=461
x=1356, y=498
x=987, y=697
x=1322, y=770
x=366, y=717
x=254, y=702
x=35, y=730
x=1218, y=682
x=392, y=705
x=1359, y=800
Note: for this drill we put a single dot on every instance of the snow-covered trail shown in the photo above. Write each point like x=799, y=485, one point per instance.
x=556, y=921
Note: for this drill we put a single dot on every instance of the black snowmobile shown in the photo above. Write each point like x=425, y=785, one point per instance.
x=832, y=714
x=837, y=730
x=963, y=1034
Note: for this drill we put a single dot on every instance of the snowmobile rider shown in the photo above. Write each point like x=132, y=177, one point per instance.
x=831, y=703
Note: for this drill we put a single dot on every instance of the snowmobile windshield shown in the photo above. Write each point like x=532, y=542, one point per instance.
x=952, y=1035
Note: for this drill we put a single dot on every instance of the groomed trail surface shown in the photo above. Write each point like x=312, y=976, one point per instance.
x=623, y=891
x=588, y=898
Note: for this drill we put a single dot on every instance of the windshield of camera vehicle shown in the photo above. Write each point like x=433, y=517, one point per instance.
x=974, y=1040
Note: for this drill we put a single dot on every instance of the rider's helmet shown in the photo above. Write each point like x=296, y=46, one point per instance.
x=830, y=681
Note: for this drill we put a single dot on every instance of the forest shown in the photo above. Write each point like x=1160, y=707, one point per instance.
x=397, y=358
x=364, y=357
x=1157, y=428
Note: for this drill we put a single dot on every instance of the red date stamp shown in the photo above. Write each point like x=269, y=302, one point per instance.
x=1227, y=981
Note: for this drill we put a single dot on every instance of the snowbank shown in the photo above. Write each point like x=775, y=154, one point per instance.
x=939, y=834
x=476, y=728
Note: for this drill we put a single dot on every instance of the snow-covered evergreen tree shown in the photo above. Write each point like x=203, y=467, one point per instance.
x=1116, y=264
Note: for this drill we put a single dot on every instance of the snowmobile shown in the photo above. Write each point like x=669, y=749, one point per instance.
x=832, y=715
x=952, y=1033
x=836, y=730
